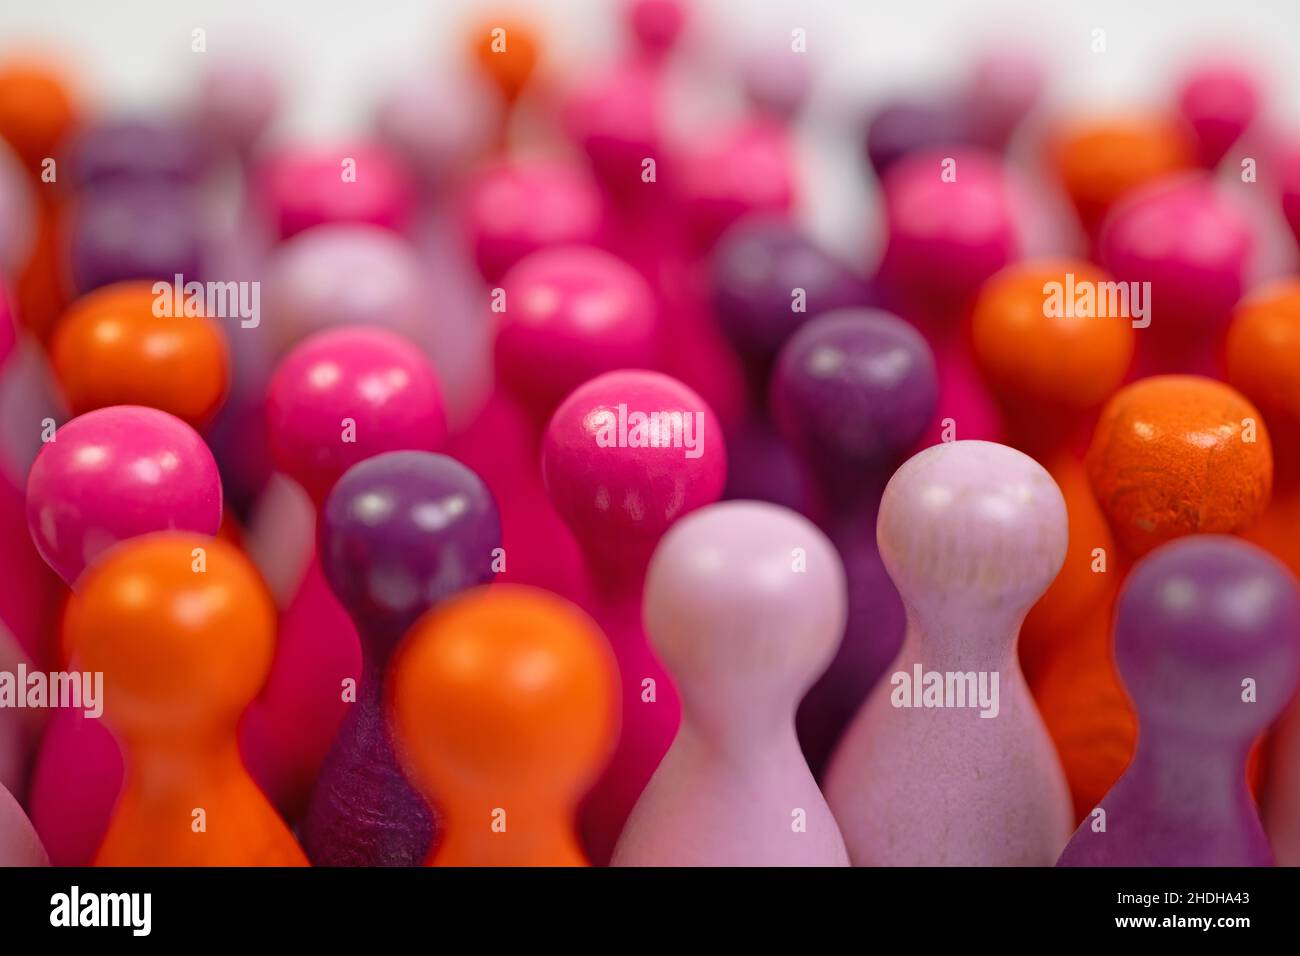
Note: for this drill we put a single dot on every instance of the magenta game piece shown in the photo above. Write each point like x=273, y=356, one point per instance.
x=1220, y=101
x=356, y=182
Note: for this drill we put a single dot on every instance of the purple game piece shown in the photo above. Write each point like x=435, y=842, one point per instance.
x=136, y=150
x=852, y=393
x=903, y=127
x=399, y=533
x=1207, y=639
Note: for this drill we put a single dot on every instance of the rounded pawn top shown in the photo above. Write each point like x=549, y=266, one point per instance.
x=1002, y=87
x=1177, y=454
x=1033, y=356
x=951, y=224
x=756, y=264
x=115, y=474
x=506, y=694
x=344, y=395
x=514, y=207
x=238, y=98
x=1263, y=359
x=572, y=312
x=1099, y=160
x=656, y=24
x=972, y=527
x=853, y=392
x=626, y=455
x=112, y=347
x=1219, y=101
x=1185, y=238
x=403, y=531
x=745, y=602
x=37, y=110
x=902, y=127
x=183, y=629
x=507, y=51
x=1195, y=619
x=358, y=182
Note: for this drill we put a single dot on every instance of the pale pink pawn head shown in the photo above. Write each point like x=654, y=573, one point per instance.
x=117, y=473
x=745, y=602
x=971, y=528
x=571, y=313
x=626, y=455
x=345, y=395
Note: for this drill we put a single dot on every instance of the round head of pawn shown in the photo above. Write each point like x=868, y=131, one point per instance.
x=615, y=115
x=742, y=168
x=778, y=81
x=972, y=533
x=183, y=629
x=114, y=474
x=656, y=24
x=903, y=127
x=1035, y=349
x=505, y=692
x=626, y=455
x=853, y=392
x=400, y=533
x=745, y=604
x=521, y=205
x=1263, y=361
x=344, y=274
x=1207, y=638
x=951, y=225
x=125, y=344
x=1002, y=87
x=1219, y=100
x=1184, y=237
x=768, y=277
x=571, y=313
x=357, y=182
x=37, y=110
x=238, y=98
x=346, y=394
x=507, y=52
x=1100, y=160
x=1177, y=454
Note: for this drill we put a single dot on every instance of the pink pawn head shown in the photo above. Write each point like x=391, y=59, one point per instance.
x=522, y=205
x=625, y=456
x=116, y=473
x=438, y=125
x=344, y=274
x=747, y=167
x=1001, y=89
x=745, y=602
x=614, y=115
x=1219, y=100
x=777, y=81
x=656, y=24
x=1185, y=238
x=1197, y=617
x=571, y=313
x=951, y=224
x=361, y=182
x=238, y=99
x=345, y=395
x=971, y=529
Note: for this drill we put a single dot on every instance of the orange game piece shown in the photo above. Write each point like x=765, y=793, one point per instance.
x=1098, y=161
x=507, y=51
x=110, y=349
x=1048, y=374
x=183, y=629
x=37, y=110
x=1172, y=455
x=504, y=705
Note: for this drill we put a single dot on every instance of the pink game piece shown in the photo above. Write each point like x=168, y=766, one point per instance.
x=745, y=602
x=1188, y=249
x=656, y=24
x=625, y=456
x=358, y=182
x=948, y=762
x=1219, y=101
x=339, y=397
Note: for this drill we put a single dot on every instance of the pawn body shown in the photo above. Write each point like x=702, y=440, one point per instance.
x=745, y=602
x=972, y=533
x=1225, y=618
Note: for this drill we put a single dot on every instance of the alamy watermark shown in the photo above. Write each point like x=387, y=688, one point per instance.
x=218, y=300
x=621, y=428
x=1085, y=299
x=39, y=690
x=946, y=689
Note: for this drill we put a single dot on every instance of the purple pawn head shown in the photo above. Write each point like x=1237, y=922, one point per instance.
x=400, y=533
x=1197, y=618
x=901, y=128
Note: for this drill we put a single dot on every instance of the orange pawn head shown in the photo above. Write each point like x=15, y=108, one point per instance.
x=183, y=630
x=504, y=706
x=507, y=52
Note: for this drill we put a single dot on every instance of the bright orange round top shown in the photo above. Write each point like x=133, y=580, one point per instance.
x=1098, y=161
x=1030, y=350
x=183, y=636
x=111, y=349
x=505, y=699
x=36, y=110
x=1178, y=454
x=1263, y=351
x=508, y=51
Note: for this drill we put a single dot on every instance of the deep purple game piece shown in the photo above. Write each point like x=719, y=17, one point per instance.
x=852, y=393
x=399, y=533
x=1207, y=639
x=903, y=127
x=138, y=150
